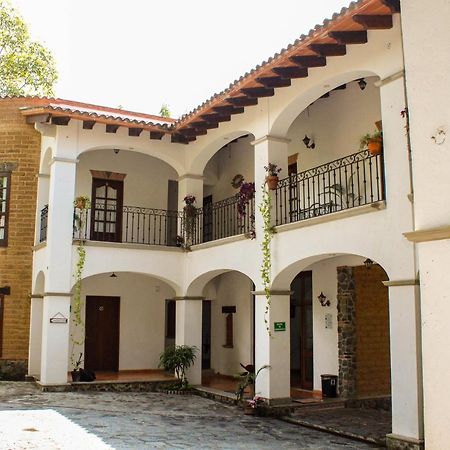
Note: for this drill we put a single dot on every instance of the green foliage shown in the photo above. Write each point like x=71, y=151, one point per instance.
x=375, y=136
x=246, y=379
x=26, y=67
x=164, y=111
x=265, y=208
x=178, y=359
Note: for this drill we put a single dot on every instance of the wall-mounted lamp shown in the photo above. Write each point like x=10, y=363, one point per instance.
x=323, y=300
x=362, y=83
x=113, y=275
x=368, y=263
x=116, y=150
x=309, y=143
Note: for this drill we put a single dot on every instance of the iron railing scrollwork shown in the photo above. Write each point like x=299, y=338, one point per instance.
x=354, y=180
x=43, y=225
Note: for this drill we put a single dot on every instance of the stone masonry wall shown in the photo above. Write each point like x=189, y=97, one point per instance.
x=372, y=332
x=19, y=144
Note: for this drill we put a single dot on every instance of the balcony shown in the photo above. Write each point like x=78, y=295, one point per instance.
x=342, y=184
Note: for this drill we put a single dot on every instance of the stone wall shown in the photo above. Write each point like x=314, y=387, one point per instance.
x=19, y=145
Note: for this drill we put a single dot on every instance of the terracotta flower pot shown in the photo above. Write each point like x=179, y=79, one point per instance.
x=375, y=146
x=272, y=182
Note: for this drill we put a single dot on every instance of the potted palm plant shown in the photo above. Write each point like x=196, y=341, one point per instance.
x=272, y=175
x=177, y=360
x=373, y=142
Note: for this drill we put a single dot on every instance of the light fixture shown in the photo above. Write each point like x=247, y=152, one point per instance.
x=113, y=275
x=116, y=150
x=323, y=300
x=309, y=143
x=368, y=263
x=362, y=83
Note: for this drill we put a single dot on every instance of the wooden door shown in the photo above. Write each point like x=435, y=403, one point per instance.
x=206, y=334
x=102, y=333
x=302, y=324
x=106, y=214
x=207, y=219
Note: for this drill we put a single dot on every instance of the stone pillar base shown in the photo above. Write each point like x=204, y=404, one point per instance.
x=396, y=442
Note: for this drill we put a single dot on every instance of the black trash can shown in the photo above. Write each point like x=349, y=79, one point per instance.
x=329, y=385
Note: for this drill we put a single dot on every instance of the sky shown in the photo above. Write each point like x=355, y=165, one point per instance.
x=140, y=54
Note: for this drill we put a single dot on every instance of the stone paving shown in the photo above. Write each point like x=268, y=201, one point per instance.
x=158, y=421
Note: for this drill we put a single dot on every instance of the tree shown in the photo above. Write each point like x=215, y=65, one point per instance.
x=164, y=111
x=26, y=67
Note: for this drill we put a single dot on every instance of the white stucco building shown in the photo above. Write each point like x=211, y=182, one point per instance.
x=383, y=332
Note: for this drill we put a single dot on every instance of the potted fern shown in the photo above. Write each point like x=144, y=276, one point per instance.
x=373, y=142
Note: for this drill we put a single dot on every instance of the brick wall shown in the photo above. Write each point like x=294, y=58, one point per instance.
x=372, y=331
x=20, y=144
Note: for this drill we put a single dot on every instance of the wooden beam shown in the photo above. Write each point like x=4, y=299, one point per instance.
x=326, y=95
x=349, y=37
x=274, y=82
x=134, y=131
x=374, y=22
x=88, y=124
x=340, y=88
x=394, y=5
x=329, y=49
x=291, y=72
x=242, y=101
x=258, y=92
x=309, y=60
x=205, y=125
x=178, y=138
x=228, y=109
x=111, y=128
x=192, y=131
x=38, y=118
x=216, y=117
x=60, y=120
x=156, y=135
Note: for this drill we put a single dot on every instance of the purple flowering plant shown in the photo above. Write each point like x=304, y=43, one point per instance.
x=245, y=194
x=257, y=402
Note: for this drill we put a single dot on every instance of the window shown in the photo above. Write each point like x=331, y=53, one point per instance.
x=5, y=181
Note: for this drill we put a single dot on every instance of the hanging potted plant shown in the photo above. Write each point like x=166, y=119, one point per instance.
x=272, y=176
x=189, y=208
x=373, y=142
x=244, y=196
x=82, y=202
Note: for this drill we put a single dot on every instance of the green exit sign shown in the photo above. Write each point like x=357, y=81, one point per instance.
x=279, y=326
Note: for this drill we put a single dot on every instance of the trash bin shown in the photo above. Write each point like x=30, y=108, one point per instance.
x=329, y=385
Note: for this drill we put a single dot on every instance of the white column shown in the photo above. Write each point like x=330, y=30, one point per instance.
x=406, y=376
x=273, y=349
x=188, y=331
x=58, y=282
x=190, y=184
x=55, y=338
x=35, y=344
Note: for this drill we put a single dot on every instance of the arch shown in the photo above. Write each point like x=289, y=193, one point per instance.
x=297, y=103
x=170, y=283
x=197, y=285
x=284, y=277
x=39, y=284
x=199, y=161
x=165, y=157
x=45, y=161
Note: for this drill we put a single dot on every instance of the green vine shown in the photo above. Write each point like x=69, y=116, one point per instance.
x=82, y=204
x=266, y=208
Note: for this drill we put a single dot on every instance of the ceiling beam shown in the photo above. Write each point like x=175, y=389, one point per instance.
x=156, y=135
x=228, y=109
x=374, y=22
x=291, y=72
x=60, y=120
x=178, y=138
x=216, y=117
x=192, y=131
x=88, y=124
x=326, y=95
x=340, y=88
x=349, y=37
x=309, y=60
x=274, y=82
x=242, y=101
x=329, y=49
x=134, y=131
x=394, y=5
x=111, y=128
x=204, y=125
x=258, y=92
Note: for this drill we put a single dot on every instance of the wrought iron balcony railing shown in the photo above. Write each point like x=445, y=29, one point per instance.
x=43, y=227
x=344, y=183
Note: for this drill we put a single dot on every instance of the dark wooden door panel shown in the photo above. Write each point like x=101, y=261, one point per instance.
x=102, y=333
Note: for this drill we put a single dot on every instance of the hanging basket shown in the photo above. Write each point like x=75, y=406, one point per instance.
x=272, y=182
x=80, y=203
x=190, y=211
x=375, y=146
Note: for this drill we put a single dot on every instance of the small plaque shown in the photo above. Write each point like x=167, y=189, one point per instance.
x=279, y=326
x=58, y=318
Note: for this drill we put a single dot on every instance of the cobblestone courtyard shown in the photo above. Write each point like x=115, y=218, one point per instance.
x=151, y=420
